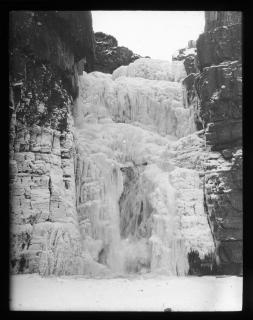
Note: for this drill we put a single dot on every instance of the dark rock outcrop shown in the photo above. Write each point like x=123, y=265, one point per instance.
x=221, y=44
x=63, y=39
x=218, y=88
x=215, y=19
x=188, y=55
x=223, y=196
x=110, y=56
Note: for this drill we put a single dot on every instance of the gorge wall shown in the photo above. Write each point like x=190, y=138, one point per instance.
x=219, y=89
x=108, y=173
x=47, y=51
x=215, y=89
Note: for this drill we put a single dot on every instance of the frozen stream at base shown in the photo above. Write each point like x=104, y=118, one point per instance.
x=32, y=292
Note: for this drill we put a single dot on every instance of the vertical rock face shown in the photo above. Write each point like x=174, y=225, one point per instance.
x=45, y=53
x=219, y=91
x=215, y=19
x=44, y=229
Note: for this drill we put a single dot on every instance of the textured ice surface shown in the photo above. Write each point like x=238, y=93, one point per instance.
x=156, y=103
x=115, y=145
x=152, y=69
x=137, y=211
x=171, y=199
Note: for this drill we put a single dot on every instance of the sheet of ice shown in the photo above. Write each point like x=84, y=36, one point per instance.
x=169, y=255
x=32, y=292
x=121, y=142
x=160, y=105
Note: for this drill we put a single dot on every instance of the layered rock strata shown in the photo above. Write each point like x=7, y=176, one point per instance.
x=47, y=50
x=219, y=93
x=214, y=90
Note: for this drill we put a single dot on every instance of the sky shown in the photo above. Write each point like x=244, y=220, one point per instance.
x=157, y=34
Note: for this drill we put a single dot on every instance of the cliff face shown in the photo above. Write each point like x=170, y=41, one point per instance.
x=214, y=90
x=219, y=91
x=47, y=50
x=215, y=19
x=103, y=196
x=110, y=56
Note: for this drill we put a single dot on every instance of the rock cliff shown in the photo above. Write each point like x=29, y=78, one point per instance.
x=219, y=108
x=215, y=19
x=47, y=51
x=214, y=90
x=110, y=56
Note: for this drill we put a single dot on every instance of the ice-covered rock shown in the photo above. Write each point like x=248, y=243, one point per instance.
x=44, y=232
x=192, y=218
x=219, y=88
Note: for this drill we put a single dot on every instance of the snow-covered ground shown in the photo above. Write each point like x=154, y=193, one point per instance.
x=142, y=293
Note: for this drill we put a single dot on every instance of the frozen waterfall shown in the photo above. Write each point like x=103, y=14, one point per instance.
x=148, y=92
x=128, y=207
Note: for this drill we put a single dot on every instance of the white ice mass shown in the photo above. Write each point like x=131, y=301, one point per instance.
x=138, y=212
x=147, y=91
